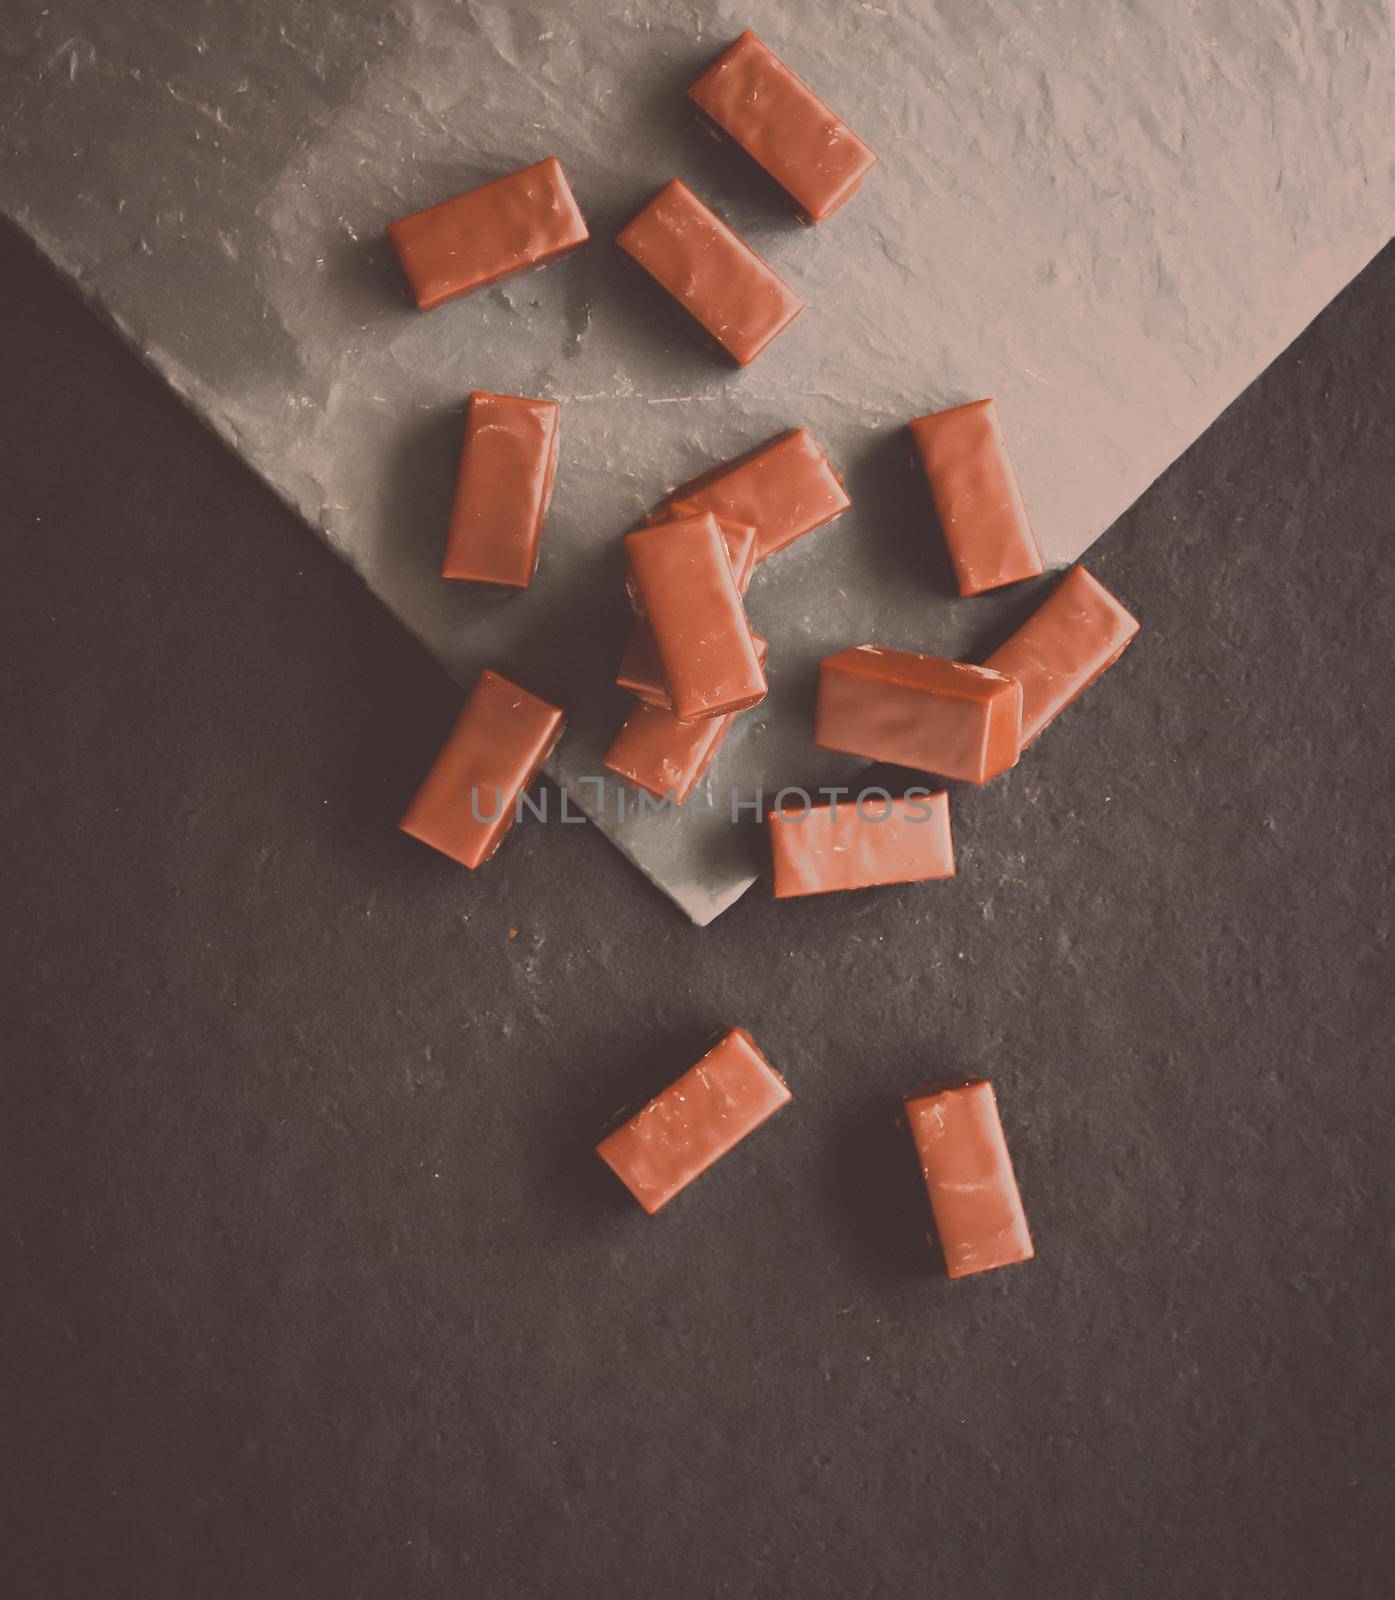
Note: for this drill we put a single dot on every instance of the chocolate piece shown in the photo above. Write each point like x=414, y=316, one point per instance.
x=695, y=1121
x=785, y=488
x=656, y=752
x=741, y=538
x=968, y=1176
x=977, y=497
x=523, y=220
x=716, y=278
x=741, y=549
x=857, y=845
x=776, y=118
x=507, y=465
x=1063, y=647
x=641, y=670
x=501, y=738
x=919, y=711
x=690, y=597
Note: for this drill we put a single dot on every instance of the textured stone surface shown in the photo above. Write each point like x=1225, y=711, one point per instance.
x=314, y=1284
x=1111, y=225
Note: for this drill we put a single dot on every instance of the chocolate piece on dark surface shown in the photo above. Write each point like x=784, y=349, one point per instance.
x=523, y=220
x=968, y=1176
x=683, y=573
x=750, y=94
x=859, y=844
x=720, y=281
x=977, y=497
x=695, y=1121
x=656, y=752
x=785, y=488
x=501, y=738
x=919, y=711
x=507, y=465
x=1066, y=643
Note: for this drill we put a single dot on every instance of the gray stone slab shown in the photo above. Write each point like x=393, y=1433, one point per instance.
x=1110, y=225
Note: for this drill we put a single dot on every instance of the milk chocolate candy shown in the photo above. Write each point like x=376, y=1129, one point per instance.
x=968, y=1176
x=507, y=465
x=722, y=283
x=813, y=155
x=468, y=800
x=656, y=752
x=741, y=549
x=641, y=670
x=919, y=711
x=523, y=220
x=741, y=538
x=785, y=488
x=1063, y=647
x=690, y=597
x=977, y=497
x=695, y=1121
x=856, y=845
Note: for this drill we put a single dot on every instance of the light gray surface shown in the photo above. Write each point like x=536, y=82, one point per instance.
x=1110, y=221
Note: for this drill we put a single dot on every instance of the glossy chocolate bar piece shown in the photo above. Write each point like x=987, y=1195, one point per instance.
x=467, y=803
x=785, y=488
x=523, y=220
x=683, y=573
x=721, y=282
x=856, y=845
x=777, y=119
x=741, y=548
x=695, y=1121
x=741, y=538
x=1067, y=642
x=939, y=716
x=641, y=670
x=656, y=752
x=968, y=1176
x=507, y=466
x=977, y=497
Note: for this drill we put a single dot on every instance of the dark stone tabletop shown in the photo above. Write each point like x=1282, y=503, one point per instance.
x=314, y=1285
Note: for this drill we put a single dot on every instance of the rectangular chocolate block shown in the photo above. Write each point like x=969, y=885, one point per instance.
x=741, y=548
x=977, y=497
x=685, y=581
x=523, y=220
x=741, y=541
x=968, y=1176
x=467, y=803
x=1061, y=649
x=695, y=1121
x=507, y=466
x=785, y=488
x=778, y=120
x=722, y=283
x=858, y=845
x=919, y=711
x=641, y=670
x=656, y=752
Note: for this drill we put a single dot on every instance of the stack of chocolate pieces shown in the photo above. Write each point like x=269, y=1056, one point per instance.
x=692, y=662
